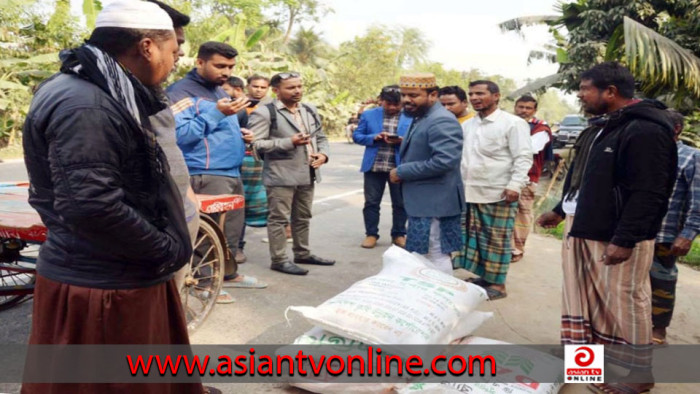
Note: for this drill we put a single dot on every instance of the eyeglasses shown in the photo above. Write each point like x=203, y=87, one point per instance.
x=288, y=75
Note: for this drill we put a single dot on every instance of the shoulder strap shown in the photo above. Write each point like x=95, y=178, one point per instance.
x=273, y=117
x=313, y=113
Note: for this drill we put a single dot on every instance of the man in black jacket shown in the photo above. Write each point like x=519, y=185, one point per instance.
x=101, y=183
x=614, y=199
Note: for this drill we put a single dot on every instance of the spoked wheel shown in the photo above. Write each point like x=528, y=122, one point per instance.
x=17, y=277
x=206, y=273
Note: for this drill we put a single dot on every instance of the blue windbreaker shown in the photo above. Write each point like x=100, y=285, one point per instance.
x=210, y=141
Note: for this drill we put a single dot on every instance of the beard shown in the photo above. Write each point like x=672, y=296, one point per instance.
x=416, y=112
x=597, y=109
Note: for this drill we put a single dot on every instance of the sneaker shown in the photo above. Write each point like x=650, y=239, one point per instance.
x=369, y=242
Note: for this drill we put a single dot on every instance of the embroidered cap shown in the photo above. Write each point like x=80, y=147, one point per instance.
x=134, y=14
x=418, y=80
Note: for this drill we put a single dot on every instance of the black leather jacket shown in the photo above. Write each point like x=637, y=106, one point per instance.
x=88, y=170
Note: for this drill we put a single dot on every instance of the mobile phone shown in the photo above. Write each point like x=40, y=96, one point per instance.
x=393, y=138
x=253, y=102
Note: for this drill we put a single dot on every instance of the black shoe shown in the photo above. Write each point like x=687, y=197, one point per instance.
x=315, y=260
x=289, y=268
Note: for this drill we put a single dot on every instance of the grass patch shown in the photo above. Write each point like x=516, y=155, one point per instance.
x=557, y=232
x=693, y=257
x=547, y=206
x=13, y=151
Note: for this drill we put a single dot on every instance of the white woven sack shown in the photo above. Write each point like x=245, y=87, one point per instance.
x=408, y=302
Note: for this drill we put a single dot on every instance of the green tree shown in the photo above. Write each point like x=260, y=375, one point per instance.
x=412, y=46
x=657, y=39
x=367, y=63
x=30, y=38
x=308, y=46
x=297, y=11
x=552, y=107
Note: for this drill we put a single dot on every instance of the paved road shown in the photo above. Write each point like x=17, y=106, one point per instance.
x=13, y=170
x=530, y=314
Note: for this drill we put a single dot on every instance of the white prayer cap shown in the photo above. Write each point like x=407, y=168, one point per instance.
x=134, y=14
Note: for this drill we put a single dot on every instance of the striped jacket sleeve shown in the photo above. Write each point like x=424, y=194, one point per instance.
x=195, y=119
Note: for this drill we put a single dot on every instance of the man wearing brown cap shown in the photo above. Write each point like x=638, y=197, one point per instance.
x=429, y=172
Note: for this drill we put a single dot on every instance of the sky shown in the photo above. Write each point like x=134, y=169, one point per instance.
x=464, y=33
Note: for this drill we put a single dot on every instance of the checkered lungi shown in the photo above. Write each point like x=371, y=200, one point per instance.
x=487, y=231
x=523, y=218
x=607, y=304
x=664, y=276
x=255, y=195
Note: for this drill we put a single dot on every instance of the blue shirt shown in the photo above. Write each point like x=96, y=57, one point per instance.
x=683, y=216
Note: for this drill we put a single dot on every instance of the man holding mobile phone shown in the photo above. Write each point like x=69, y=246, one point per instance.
x=213, y=142
x=251, y=171
x=381, y=130
x=289, y=135
x=257, y=88
x=234, y=88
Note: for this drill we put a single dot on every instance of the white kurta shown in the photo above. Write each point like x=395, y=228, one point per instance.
x=497, y=155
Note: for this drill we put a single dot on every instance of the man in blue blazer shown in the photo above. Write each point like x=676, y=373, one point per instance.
x=429, y=173
x=381, y=131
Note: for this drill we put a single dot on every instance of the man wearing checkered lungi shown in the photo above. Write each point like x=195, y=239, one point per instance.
x=614, y=200
x=678, y=230
x=541, y=136
x=496, y=158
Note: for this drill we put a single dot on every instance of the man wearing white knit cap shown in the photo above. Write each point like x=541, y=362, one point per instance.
x=100, y=181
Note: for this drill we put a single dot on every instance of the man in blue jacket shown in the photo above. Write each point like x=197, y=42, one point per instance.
x=212, y=141
x=381, y=130
x=429, y=172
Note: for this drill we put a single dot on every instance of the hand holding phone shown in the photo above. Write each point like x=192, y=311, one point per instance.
x=239, y=103
x=393, y=139
x=300, y=139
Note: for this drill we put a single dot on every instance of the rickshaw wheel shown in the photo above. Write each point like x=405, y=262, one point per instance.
x=204, y=278
x=17, y=277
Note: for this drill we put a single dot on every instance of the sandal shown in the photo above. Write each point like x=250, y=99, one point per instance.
x=477, y=281
x=248, y=282
x=495, y=294
x=615, y=388
x=659, y=341
x=225, y=298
